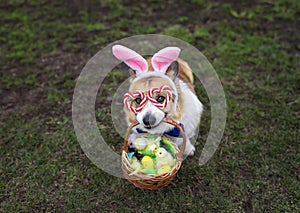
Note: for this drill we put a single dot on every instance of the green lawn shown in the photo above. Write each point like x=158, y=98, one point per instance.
x=254, y=48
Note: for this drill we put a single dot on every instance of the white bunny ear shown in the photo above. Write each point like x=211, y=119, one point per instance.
x=163, y=58
x=134, y=60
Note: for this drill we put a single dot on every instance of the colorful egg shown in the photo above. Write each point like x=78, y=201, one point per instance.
x=140, y=143
x=164, y=169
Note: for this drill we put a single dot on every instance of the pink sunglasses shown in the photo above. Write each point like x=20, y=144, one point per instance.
x=148, y=96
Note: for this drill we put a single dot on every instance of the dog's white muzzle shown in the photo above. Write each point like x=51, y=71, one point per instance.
x=150, y=116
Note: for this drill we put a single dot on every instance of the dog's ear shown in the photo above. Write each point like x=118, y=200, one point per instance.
x=173, y=70
x=132, y=74
x=134, y=60
x=164, y=58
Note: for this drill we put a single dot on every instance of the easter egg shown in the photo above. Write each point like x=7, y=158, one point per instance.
x=164, y=169
x=140, y=143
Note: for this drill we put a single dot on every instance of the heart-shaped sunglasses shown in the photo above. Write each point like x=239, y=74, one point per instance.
x=128, y=97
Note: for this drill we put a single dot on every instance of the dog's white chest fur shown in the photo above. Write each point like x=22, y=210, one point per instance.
x=191, y=114
x=192, y=110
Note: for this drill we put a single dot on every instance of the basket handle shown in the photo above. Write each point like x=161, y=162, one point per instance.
x=166, y=120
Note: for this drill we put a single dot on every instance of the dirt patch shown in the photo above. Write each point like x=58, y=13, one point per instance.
x=52, y=70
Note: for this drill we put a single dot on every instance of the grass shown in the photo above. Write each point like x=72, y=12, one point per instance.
x=254, y=48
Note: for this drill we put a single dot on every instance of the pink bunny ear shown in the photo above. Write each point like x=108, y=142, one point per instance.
x=163, y=58
x=134, y=60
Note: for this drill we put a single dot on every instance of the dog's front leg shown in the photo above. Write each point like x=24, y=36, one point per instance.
x=189, y=148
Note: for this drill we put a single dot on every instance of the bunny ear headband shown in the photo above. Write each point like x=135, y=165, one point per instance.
x=160, y=63
x=160, y=60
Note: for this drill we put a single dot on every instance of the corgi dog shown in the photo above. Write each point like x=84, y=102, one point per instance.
x=161, y=86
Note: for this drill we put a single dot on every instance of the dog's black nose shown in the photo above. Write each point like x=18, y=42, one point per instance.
x=149, y=120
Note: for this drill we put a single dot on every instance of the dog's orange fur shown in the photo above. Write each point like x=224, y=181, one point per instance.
x=185, y=72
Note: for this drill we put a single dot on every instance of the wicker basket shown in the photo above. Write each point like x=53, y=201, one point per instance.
x=148, y=181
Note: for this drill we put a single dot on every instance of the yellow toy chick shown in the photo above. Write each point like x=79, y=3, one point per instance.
x=148, y=165
x=153, y=145
x=163, y=157
x=147, y=161
x=136, y=165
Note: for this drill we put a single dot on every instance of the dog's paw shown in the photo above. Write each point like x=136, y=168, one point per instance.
x=189, y=150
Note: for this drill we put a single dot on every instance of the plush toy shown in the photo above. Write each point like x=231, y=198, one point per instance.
x=168, y=147
x=151, y=154
x=147, y=145
x=163, y=157
x=164, y=169
x=132, y=151
x=148, y=165
x=154, y=144
x=147, y=161
x=136, y=165
x=152, y=147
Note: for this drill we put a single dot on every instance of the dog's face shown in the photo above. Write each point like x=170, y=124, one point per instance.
x=152, y=94
x=152, y=112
